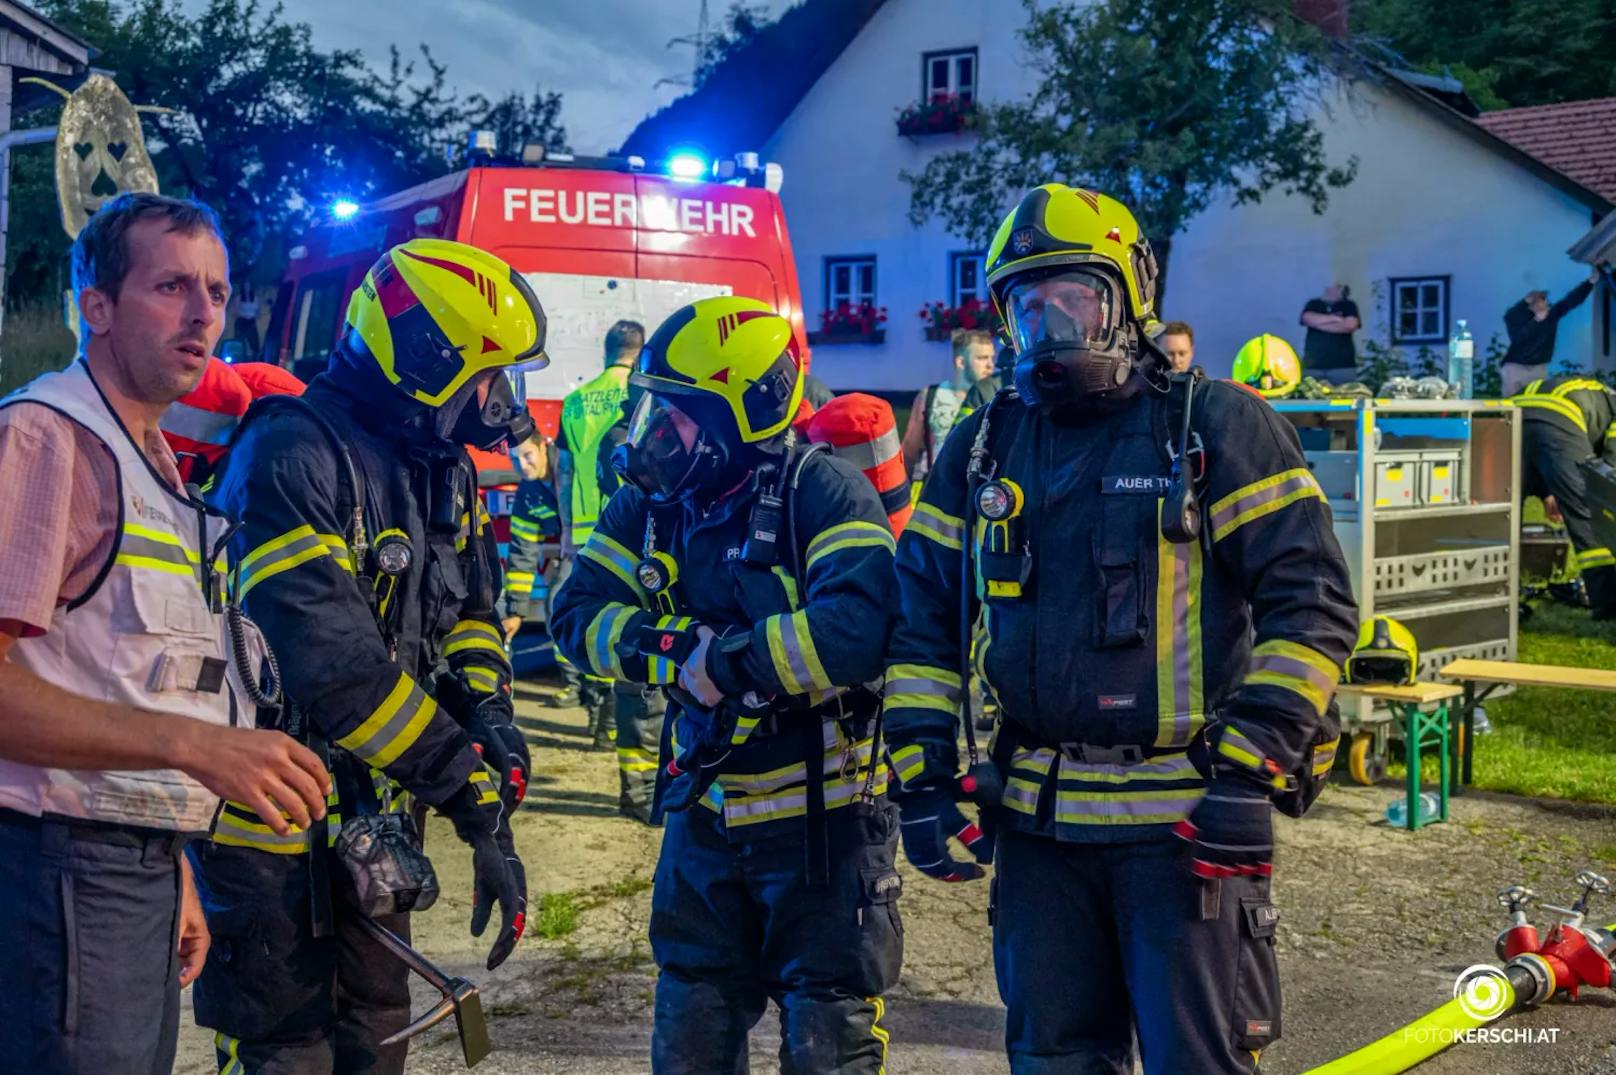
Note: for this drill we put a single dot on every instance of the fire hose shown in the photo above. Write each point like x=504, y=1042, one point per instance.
x=1535, y=969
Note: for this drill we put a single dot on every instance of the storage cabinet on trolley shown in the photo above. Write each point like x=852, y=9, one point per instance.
x=1425, y=495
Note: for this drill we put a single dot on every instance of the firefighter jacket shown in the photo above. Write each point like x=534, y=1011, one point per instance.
x=586, y=414
x=357, y=647
x=810, y=637
x=1108, y=646
x=1578, y=403
x=534, y=521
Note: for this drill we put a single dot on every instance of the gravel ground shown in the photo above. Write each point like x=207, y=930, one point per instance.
x=1376, y=924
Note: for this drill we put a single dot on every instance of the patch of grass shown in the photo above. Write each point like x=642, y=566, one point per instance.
x=1606, y=854
x=558, y=915
x=1549, y=742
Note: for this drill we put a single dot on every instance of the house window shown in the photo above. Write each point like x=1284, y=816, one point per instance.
x=948, y=74
x=1420, y=309
x=966, y=279
x=849, y=280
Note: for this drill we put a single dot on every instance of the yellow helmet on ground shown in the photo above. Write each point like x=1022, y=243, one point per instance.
x=431, y=315
x=1073, y=279
x=1386, y=653
x=1268, y=364
x=719, y=375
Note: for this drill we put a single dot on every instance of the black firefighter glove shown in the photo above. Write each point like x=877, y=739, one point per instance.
x=490, y=721
x=929, y=816
x=706, y=737
x=1232, y=829
x=482, y=822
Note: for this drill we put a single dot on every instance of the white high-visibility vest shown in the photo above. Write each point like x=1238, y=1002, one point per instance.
x=143, y=636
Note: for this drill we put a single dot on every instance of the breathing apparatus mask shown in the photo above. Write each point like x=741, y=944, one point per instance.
x=670, y=455
x=1075, y=349
x=487, y=412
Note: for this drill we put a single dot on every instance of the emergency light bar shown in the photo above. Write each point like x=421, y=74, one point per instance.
x=741, y=170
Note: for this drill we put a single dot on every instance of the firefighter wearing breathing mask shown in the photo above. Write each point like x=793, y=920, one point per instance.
x=751, y=576
x=368, y=562
x=1166, y=614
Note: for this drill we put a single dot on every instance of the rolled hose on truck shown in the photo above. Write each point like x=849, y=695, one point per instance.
x=1523, y=985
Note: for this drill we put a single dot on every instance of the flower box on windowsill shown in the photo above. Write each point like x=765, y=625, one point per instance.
x=839, y=336
x=942, y=115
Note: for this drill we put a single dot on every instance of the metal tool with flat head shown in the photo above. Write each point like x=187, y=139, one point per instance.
x=460, y=997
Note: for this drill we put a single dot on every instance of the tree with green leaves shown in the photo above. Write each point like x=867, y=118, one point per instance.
x=1507, y=53
x=519, y=121
x=264, y=126
x=1163, y=105
x=742, y=22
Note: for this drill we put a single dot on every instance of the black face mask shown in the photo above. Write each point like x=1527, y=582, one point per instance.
x=500, y=420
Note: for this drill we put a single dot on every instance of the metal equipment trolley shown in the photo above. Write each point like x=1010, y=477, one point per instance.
x=1426, y=499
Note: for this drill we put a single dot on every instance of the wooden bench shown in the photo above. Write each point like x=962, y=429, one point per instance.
x=1420, y=729
x=1481, y=678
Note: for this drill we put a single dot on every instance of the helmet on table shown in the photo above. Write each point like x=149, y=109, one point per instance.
x=1269, y=365
x=1386, y=653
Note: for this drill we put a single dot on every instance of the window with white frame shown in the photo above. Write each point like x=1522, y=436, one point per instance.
x=966, y=279
x=950, y=73
x=1419, y=309
x=850, y=280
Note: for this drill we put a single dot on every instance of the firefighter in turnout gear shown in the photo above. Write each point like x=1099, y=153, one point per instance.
x=535, y=522
x=1567, y=420
x=752, y=578
x=366, y=558
x=588, y=414
x=1162, y=669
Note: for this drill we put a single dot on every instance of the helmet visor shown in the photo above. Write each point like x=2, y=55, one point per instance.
x=665, y=447
x=1071, y=306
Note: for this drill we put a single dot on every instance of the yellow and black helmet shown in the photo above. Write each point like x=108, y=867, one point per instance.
x=735, y=359
x=1073, y=279
x=1060, y=225
x=1268, y=364
x=434, y=313
x=1386, y=653
x=718, y=377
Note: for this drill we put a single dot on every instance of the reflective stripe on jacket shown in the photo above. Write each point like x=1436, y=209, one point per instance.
x=144, y=637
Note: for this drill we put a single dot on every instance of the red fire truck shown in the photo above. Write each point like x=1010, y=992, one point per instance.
x=600, y=239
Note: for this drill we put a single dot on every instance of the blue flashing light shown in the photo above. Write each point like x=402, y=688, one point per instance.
x=688, y=166
x=344, y=209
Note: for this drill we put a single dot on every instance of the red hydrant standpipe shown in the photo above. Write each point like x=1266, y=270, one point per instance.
x=1569, y=957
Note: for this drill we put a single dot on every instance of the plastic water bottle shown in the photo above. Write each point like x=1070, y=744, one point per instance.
x=1462, y=360
x=1430, y=807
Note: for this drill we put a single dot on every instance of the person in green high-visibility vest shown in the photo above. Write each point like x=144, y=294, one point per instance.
x=588, y=412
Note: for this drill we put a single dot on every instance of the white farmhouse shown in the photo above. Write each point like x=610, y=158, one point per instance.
x=1445, y=219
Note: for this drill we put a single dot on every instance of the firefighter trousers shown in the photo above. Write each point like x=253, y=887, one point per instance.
x=1549, y=457
x=281, y=1001
x=1094, y=944
x=734, y=924
x=638, y=712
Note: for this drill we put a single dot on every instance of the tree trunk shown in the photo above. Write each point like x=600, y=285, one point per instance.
x=1162, y=249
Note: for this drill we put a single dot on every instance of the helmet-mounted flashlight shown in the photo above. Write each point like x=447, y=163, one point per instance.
x=999, y=500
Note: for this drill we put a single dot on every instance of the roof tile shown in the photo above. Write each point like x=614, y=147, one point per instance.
x=1577, y=138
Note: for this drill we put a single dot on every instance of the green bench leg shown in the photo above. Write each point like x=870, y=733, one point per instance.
x=1421, y=729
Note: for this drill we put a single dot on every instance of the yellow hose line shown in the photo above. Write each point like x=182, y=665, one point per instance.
x=1412, y=1044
